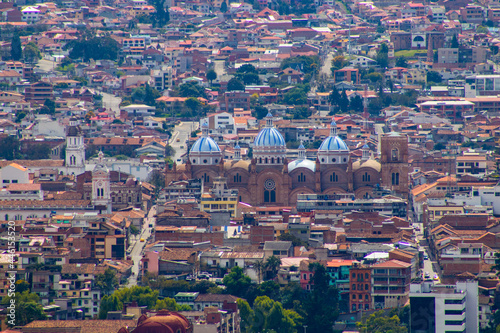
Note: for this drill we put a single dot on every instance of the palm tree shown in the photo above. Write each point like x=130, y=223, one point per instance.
x=273, y=265
x=259, y=266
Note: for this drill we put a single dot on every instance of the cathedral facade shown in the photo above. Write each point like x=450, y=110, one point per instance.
x=270, y=179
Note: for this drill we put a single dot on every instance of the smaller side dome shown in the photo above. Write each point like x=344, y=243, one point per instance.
x=308, y=164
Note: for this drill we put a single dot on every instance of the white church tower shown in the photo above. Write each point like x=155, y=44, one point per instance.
x=101, y=189
x=75, y=148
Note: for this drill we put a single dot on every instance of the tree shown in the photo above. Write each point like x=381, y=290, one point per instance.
x=211, y=75
x=251, y=78
x=156, y=178
x=161, y=15
x=322, y=304
x=150, y=95
x=339, y=62
x=454, y=42
x=401, y=62
x=267, y=315
x=273, y=265
x=39, y=151
x=439, y=146
x=109, y=303
x=171, y=305
x=295, y=96
x=247, y=68
x=357, y=104
x=31, y=53
x=259, y=267
x=192, y=89
x=16, y=51
x=9, y=148
x=106, y=282
x=28, y=308
x=374, y=77
x=96, y=48
x=383, y=55
x=223, y=7
x=235, y=84
x=134, y=230
x=378, y=322
x=236, y=282
x=193, y=104
x=260, y=112
x=305, y=64
x=481, y=29
x=344, y=102
x=169, y=151
x=434, y=77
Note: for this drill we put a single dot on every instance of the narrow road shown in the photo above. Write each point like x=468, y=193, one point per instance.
x=138, y=246
x=181, y=134
x=111, y=103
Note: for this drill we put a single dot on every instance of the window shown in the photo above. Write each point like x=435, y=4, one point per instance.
x=206, y=178
x=269, y=191
x=366, y=177
x=353, y=287
x=395, y=155
x=395, y=178
x=237, y=178
x=454, y=312
x=334, y=178
x=301, y=178
x=353, y=296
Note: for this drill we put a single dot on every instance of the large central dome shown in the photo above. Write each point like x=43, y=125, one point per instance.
x=205, y=144
x=333, y=149
x=269, y=145
x=269, y=137
x=333, y=143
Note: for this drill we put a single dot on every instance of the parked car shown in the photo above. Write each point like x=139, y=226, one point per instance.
x=427, y=275
x=190, y=278
x=219, y=281
x=426, y=257
x=436, y=277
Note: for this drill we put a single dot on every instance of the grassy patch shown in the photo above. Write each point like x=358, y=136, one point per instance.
x=410, y=53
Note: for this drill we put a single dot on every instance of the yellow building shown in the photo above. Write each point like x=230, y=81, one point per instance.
x=220, y=198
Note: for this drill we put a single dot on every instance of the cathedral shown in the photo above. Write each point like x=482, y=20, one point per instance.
x=270, y=179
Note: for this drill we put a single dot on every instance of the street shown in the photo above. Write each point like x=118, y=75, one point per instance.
x=138, y=246
x=180, y=135
x=111, y=103
x=429, y=264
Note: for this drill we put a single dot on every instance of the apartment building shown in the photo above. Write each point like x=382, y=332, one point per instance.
x=391, y=284
x=360, y=279
x=472, y=165
x=444, y=308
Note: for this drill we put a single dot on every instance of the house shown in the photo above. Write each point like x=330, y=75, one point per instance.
x=280, y=249
x=153, y=147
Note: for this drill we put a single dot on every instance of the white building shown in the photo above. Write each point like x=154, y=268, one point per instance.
x=30, y=14
x=444, y=308
x=14, y=174
x=101, y=190
x=75, y=148
x=133, y=167
x=139, y=110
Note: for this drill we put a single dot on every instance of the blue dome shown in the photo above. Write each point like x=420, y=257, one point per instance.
x=333, y=143
x=205, y=144
x=269, y=137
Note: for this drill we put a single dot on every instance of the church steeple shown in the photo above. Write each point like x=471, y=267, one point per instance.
x=269, y=120
x=333, y=128
x=237, y=152
x=366, y=152
x=302, y=151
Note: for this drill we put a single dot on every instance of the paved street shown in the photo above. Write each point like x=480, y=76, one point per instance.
x=182, y=132
x=111, y=103
x=429, y=264
x=138, y=246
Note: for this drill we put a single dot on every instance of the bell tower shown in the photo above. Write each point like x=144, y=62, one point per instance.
x=394, y=163
x=75, y=148
x=101, y=189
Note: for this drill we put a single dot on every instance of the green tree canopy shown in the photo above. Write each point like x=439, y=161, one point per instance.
x=378, y=322
x=223, y=7
x=434, y=77
x=192, y=89
x=211, y=75
x=96, y=48
x=305, y=64
x=161, y=15
x=236, y=282
x=16, y=51
x=401, y=62
x=193, y=104
x=28, y=308
x=235, y=84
